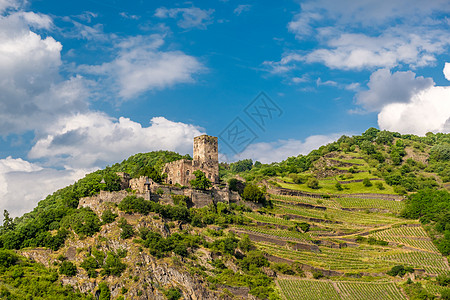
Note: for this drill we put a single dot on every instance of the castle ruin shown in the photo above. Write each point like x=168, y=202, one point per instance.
x=206, y=159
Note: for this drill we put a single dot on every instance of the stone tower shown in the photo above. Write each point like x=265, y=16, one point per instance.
x=206, y=156
x=206, y=159
x=205, y=149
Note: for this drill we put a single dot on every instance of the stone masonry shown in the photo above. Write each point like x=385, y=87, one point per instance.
x=206, y=159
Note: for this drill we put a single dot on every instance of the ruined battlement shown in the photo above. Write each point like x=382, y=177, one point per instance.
x=206, y=159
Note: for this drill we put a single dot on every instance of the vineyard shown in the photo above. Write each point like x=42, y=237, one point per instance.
x=324, y=290
x=357, y=237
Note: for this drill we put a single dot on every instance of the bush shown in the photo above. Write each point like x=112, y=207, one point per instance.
x=338, y=186
x=380, y=186
x=108, y=216
x=399, y=270
x=317, y=274
x=127, y=229
x=366, y=182
x=105, y=293
x=113, y=265
x=173, y=294
x=253, y=193
x=313, y=183
x=200, y=182
x=68, y=268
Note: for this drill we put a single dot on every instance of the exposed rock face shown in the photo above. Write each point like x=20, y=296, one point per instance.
x=145, y=277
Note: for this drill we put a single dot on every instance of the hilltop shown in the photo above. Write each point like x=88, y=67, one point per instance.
x=365, y=215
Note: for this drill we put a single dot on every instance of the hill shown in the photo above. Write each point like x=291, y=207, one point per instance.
x=366, y=215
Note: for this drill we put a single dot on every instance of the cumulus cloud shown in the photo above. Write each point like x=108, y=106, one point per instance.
x=191, y=17
x=406, y=103
x=140, y=66
x=428, y=110
x=386, y=88
x=447, y=71
x=282, y=149
x=23, y=184
x=369, y=34
x=94, y=139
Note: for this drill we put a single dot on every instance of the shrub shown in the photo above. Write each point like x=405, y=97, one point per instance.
x=338, y=186
x=200, y=182
x=68, y=268
x=105, y=293
x=127, y=229
x=108, y=216
x=113, y=265
x=366, y=182
x=313, y=183
x=380, y=186
x=317, y=274
x=253, y=193
x=173, y=294
x=399, y=270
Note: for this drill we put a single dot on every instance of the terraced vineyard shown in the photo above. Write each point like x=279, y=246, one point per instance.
x=415, y=237
x=335, y=223
x=324, y=290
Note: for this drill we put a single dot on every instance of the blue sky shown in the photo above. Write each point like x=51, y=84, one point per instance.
x=88, y=83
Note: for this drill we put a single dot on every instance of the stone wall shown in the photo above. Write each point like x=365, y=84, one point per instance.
x=96, y=202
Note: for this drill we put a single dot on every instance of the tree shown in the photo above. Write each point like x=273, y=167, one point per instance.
x=253, y=193
x=68, y=268
x=200, y=182
x=127, y=229
x=366, y=182
x=241, y=166
x=313, y=183
x=108, y=216
x=8, y=223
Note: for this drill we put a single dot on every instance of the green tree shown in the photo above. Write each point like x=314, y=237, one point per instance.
x=367, y=182
x=200, y=182
x=253, y=193
x=108, y=216
x=68, y=268
x=241, y=166
x=312, y=183
x=8, y=223
x=127, y=229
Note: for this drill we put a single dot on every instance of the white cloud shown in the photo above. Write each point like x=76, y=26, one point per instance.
x=242, y=8
x=447, y=71
x=9, y=4
x=386, y=88
x=141, y=67
x=428, y=110
x=191, y=17
x=23, y=184
x=94, y=139
x=282, y=149
x=368, y=34
x=356, y=14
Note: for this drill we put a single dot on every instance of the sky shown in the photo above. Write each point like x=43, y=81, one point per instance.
x=85, y=84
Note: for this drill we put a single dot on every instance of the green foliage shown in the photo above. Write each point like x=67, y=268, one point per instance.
x=317, y=274
x=83, y=221
x=105, y=293
x=236, y=185
x=160, y=247
x=200, y=182
x=226, y=245
x=241, y=166
x=303, y=226
x=313, y=183
x=23, y=279
x=253, y=193
x=90, y=264
x=399, y=270
x=415, y=291
x=338, y=186
x=113, y=265
x=181, y=200
x=367, y=182
x=254, y=259
x=173, y=294
x=7, y=258
x=245, y=243
x=443, y=280
x=108, y=216
x=127, y=229
x=133, y=204
x=440, y=152
x=68, y=268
